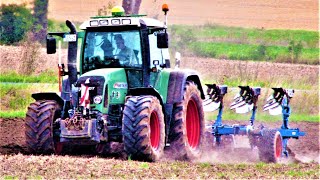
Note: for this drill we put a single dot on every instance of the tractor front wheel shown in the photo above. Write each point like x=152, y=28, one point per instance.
x=187, y=126
x=270, y=146
x=39, y=127
x=143, y=128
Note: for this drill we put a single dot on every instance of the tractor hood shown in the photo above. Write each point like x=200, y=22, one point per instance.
x=105, y=72
x=110, y=84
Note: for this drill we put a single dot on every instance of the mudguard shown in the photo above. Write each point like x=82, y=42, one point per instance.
x=146, y=91
x=48, y=96
x=177, y=80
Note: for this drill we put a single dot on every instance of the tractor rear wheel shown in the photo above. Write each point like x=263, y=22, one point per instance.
x=270, y=147
x=187, y=129
x=143, y=128
x=39, y=127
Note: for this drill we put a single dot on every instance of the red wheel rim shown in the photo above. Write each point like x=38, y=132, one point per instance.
x=154, y=130
x=278, y=148
x=193, y=124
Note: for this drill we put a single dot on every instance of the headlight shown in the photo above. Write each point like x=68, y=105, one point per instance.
x=94, y=23
x=97, y=99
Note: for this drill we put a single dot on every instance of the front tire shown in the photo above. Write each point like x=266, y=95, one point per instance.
x=39, y=127
x=143, y=128
x=187, y=126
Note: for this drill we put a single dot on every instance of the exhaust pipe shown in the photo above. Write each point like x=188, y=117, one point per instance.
x=72, y=55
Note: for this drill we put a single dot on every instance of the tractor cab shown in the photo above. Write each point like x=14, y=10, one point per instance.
x=135, y=43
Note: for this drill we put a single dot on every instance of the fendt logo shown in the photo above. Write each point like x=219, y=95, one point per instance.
x=120, y=85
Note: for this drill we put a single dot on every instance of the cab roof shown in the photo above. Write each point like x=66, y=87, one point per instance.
x=121, y=21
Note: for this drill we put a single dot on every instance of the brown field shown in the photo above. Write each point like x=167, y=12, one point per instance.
x=15, y=161
x=285, y=14
x=241, y=163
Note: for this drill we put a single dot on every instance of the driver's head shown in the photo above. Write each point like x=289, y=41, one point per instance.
x=119, y=41
x=106, y=45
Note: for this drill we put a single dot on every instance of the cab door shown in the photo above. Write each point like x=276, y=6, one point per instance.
x=158, y=58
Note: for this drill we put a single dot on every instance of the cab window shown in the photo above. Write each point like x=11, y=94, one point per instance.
x=155, y=52
x=112, y=49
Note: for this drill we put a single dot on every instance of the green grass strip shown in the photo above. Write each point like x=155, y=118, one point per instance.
x=13, y=114
x=45, y=77
x=17, y=97
x=309, y=39
x=253, y=52
x=288, y=46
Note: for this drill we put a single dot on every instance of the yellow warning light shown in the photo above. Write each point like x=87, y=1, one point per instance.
x=117, y=11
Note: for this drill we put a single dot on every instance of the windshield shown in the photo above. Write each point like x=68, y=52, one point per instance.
x=112, y=49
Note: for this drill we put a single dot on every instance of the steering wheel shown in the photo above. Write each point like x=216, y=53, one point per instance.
x=125, y=59
x=107, y=61
x=111, y=60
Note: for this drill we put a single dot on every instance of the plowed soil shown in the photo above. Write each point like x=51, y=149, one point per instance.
x=305, y=149
x=15, y=161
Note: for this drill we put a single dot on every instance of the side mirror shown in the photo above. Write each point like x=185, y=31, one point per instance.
x=51, y=45
x=162, y=40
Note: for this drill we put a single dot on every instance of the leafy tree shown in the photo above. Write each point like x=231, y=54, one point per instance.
x=15, y=22
x=41, y=20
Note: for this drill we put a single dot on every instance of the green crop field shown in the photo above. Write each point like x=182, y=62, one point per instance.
x=292, y=46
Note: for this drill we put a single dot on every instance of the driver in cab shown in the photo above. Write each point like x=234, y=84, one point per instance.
x=123, y=53
x=107, y=48
x=108, y=59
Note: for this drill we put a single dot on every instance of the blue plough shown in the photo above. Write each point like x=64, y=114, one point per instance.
x=272, y=143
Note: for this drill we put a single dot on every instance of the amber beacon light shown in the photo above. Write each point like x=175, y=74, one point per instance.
x=165, y=8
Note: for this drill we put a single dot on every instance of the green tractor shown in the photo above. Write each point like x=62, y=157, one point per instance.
x=119, y=94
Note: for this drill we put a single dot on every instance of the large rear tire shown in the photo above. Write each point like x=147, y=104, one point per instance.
x=270, y=147
x=39, y=127
x=143, y=128
x=187, y=126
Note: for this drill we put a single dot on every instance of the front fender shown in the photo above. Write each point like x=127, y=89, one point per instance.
x=145, y=91
x=177, y=83
x=48, y=96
